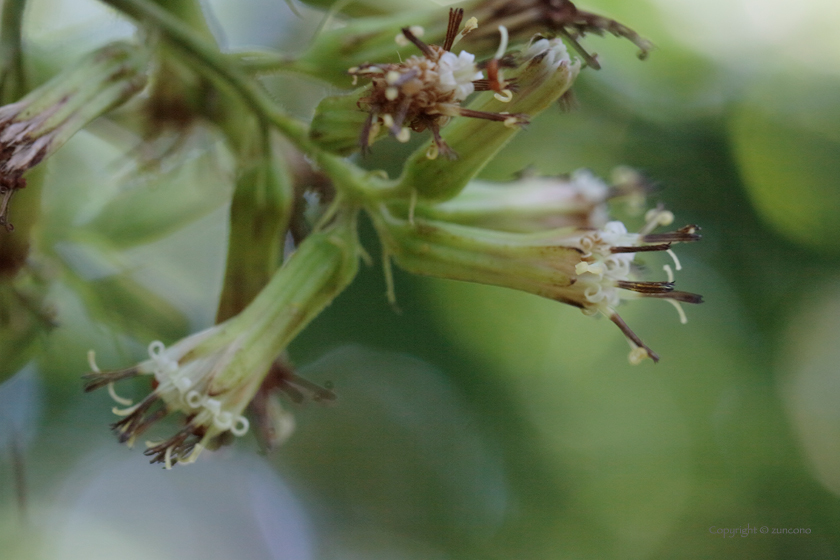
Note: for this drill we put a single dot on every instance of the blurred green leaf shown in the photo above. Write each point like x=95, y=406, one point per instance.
x=786, y=139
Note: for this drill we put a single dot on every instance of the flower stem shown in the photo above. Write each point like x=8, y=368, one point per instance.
x=357, y=183
x=12, y=75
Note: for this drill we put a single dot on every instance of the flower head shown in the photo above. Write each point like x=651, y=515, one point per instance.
x=184, y=375
x=523, y=18
x=606, y=272
x=542, y=73
x=591, y=268
x=210, y=377
x=425, y=92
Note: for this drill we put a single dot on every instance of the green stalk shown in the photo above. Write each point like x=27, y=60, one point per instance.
x=12, y=75
x=323, y=265
x=358, y=184
x=259, y=217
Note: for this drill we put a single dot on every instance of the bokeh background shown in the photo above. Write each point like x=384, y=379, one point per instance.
x=478, y=423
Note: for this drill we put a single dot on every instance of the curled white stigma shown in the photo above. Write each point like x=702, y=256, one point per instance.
x=676, y=304
x=673, y=255
x=503, y=43
x=433, y=152
x=240, y=426
x=505, y=96
x=669, y=272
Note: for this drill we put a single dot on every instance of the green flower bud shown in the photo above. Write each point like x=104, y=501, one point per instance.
x=211, y=376
x=531, y=203
x=544, y=75
x=338, y=122
x=39, y=124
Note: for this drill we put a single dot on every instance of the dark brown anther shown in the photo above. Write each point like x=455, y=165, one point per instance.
x=684, y=297
x=520, y=119
x=591, y=60
x=641, y=248
x=137, y=422
x=427, y=51
x=633, y=337
x=443, y=148
x=455, y=17
x=181, y=445
x=685, y=234
x=96, y=380
x=646, y=287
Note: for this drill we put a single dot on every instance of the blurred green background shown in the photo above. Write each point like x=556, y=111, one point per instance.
x=478, y=423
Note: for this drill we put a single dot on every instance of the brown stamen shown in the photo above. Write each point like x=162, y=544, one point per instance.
x=95, y=380
x=684, y=297
x=181, y=444
x=424, y=48
x=136, y=422
x=591, y=60
x=641, y=248
x=685, y=234
x=521, y=119
x=646, y=287
x=443, y=148
x=455, y=17
x=632, y=336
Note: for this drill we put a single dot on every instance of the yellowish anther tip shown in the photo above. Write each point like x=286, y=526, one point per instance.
x=505, y=96
x=391, y=93
x=401, y=40
x=417, y=30
x=511, y=122
x=392, y=76
x=387, y=120
x=637, y=356
x=404, y=135
x=433, y=152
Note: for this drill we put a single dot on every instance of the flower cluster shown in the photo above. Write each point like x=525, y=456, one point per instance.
x=424, y=92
